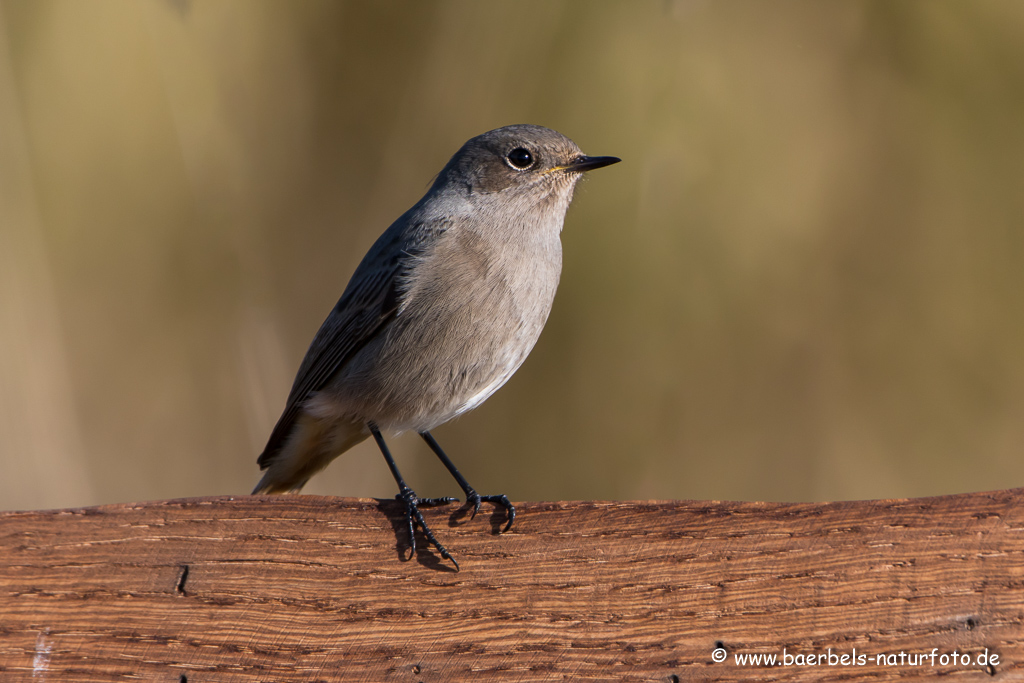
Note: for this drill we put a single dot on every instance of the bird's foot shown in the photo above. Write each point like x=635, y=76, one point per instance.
x=475, y=499
x=413, y=516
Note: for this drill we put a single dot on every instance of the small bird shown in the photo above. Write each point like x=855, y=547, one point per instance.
x=442, y=310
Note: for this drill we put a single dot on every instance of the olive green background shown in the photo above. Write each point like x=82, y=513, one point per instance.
x=804, y=282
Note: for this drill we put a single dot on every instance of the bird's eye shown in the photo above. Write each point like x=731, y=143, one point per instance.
x=520, y=158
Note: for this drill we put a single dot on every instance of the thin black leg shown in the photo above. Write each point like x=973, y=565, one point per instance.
x=472, y=497
x=412, y=503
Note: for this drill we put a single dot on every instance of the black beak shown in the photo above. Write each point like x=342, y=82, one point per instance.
x=581, y=164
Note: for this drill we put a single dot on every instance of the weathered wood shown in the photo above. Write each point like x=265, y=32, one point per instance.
x=305, y=588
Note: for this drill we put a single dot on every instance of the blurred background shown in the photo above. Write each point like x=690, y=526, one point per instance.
x=804, y=282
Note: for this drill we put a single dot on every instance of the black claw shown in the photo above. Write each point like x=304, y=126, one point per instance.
x=413, y=516
x=504, y=502
x=411, y=502
x=472, y=497
x=475, y=499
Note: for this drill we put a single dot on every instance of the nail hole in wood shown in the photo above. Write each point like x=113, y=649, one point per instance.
x=182, y=578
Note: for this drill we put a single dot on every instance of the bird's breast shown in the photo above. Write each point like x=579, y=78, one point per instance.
x=490, y=284
x=470, y=313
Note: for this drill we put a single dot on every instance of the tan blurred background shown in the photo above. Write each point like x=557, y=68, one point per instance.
x=804, y=282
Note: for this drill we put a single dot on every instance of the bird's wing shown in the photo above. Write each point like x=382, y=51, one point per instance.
x=371, y=299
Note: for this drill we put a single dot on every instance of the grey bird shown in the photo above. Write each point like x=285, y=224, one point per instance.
x=442, y=310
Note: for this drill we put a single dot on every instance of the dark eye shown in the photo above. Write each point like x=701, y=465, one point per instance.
x=520, y=158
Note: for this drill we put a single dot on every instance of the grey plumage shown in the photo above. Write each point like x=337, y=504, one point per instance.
x=443, y=308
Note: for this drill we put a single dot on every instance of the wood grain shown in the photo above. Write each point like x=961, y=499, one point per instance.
x=306, y=588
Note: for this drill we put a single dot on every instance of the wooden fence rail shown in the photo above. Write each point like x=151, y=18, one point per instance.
x=307, y=588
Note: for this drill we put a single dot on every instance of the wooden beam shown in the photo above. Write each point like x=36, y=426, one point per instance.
x=307, y=588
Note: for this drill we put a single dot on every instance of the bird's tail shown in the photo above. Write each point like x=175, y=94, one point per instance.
x=311, y=446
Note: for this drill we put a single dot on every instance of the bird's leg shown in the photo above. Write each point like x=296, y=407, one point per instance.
x=412, y=503
x=472, y=497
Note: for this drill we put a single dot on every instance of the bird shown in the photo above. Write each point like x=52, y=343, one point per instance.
x=441, y=311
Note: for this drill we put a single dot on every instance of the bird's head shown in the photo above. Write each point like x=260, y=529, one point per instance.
x=519, y=162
